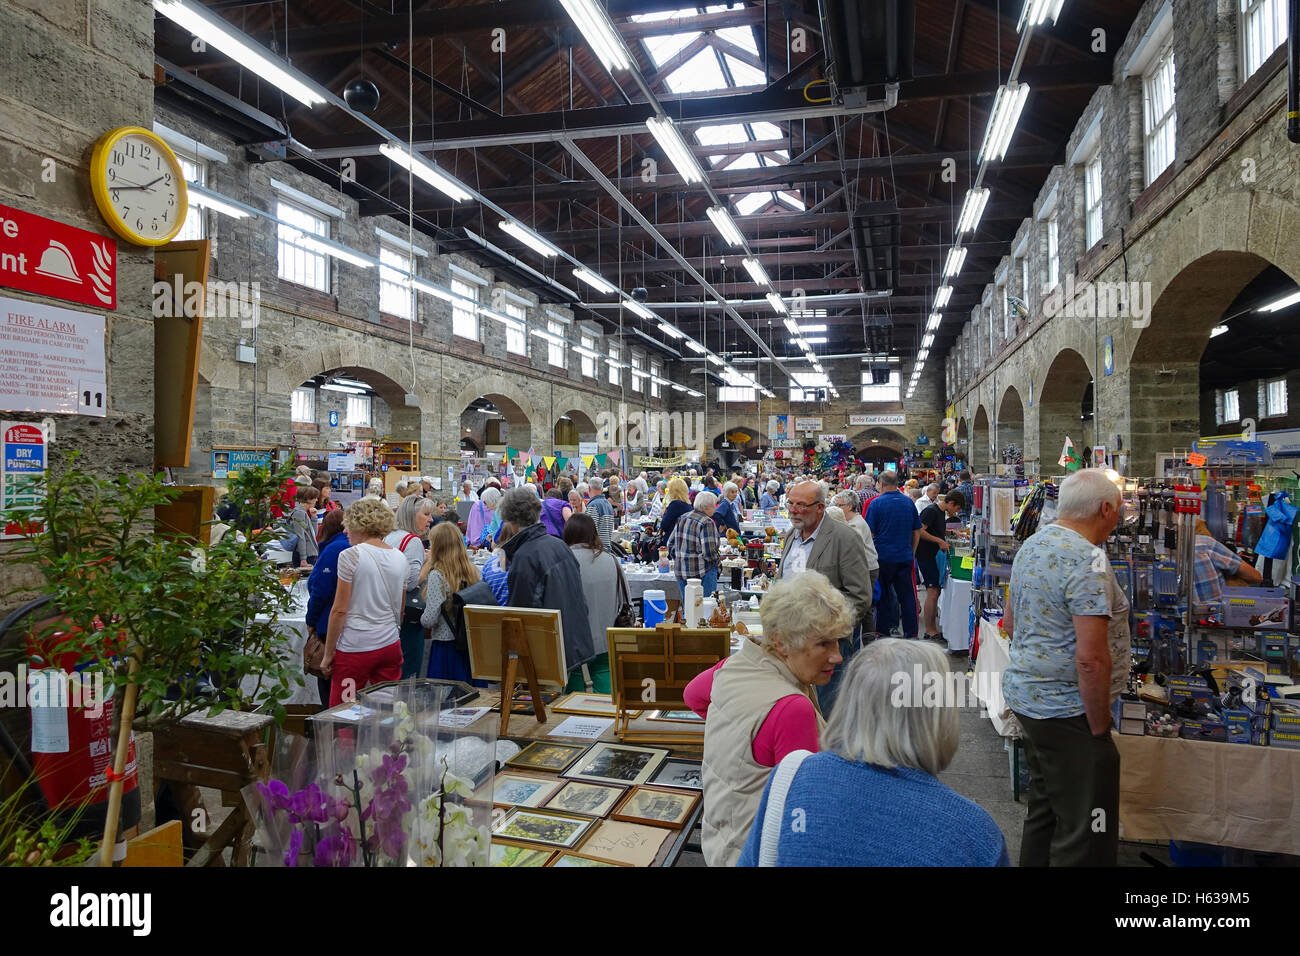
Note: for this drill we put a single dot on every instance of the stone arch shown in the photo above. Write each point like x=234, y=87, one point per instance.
x=518, y=430
x=1010, y=423
x=577, y=425
x=1203, y=262
x=878, y=444
x=508, y=397
x=1060, y=406
x=979, y=442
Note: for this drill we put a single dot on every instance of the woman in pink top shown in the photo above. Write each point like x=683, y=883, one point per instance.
x=759, y=704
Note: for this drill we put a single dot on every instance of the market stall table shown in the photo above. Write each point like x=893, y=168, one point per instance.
x=1236, y=795
x=292, y=628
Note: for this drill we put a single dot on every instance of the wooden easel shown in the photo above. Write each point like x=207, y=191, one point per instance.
x=670, y=656
x=514, y=651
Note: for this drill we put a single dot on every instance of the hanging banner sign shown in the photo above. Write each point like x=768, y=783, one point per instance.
x=341, y=461
x=586, y=448
x=893, y=419
x=647, y=461
x=778, y=426
x=56, y=260
x=787, y=443
x=808, y=425
x=831, y=439
x=24, y=460
x=51, y=360
x=228, y=461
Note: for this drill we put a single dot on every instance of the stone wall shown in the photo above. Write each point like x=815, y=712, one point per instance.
x=1225, y=209
x=76, y=69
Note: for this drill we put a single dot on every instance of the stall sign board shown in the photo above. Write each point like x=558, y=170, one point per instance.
x=57, y=260
x=228, y=461
x=787, y=443
x=334, y=418
x=808, y=425
x=24, y=460
x=897, y=418
x=341, y=461
x=587, y=448
x=830, y=439
x=51, y=360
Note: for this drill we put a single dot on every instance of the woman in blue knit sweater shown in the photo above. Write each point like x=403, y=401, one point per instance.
x=871, y=797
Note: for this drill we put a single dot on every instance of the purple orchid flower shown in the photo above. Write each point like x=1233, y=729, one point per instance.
x=295, y=847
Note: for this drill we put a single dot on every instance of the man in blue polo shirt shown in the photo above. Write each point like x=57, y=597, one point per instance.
x=895, y=528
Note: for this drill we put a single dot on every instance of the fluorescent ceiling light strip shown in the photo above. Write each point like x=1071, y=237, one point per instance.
x=670, y=330
x=529, y=238
x=592, y=279
x=927, y=341
x=726, y=226
x=323, y=247
x=935, y=319
x=695, y=347
x=420, y=167
x=812, y=328
x=346, y=389
x=679, y=154
x=1282, y=303
x=209, y=200
x=714, y=360
x=678, y=388
x=1002, y=121
x=942, y=296
x=806, y=342
x=792, y=327
x=594, y=24
x=549, y=337
x=756, y=271
x=636, y=308
x=241, y=49
x=972, y=209
x=428, y=288
x=1037, y=12
x=775, y=302
x=922, y=355
x=588, y=353
x=956, y=259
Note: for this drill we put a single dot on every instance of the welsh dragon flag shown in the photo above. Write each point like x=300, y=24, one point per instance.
x=1069, y=456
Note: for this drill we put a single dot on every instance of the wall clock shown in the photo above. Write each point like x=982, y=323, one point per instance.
x=139, y=186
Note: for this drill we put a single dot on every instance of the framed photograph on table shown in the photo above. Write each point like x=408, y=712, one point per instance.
x=681, y=774
x=544, y=827
x=632, y=844
x=546, y=756
x=677, y=716
x=586, y=705
x=577, y=859
x=588, y=799
x=617, y=764
x=516, y=854
x=522, y=790
x=660, y=808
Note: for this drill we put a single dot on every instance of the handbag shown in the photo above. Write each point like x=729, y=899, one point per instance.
x=313, y=653
x=626, y=616
x=774, y=816
x=413, y=607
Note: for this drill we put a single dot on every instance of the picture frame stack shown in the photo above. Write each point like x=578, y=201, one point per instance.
x=606, y=804
x=652, y=666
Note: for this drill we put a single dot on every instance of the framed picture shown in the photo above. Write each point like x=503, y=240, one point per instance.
x=542, y=629
x=516, y=854
x=617, y=763
x=544, y=755
x=588, y=799
x=522, y=790
x=678, y=716
x=586, y=705
x=682, y=774
x=577, y=859
x=543, y=826
x=661, y=808
x=632, y=844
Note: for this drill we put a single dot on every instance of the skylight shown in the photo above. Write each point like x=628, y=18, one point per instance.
x=700, y=74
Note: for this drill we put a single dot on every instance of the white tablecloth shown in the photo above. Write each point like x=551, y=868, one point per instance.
x=954, y=614
x=639, y=583
x=292, y=628
x=993, y=660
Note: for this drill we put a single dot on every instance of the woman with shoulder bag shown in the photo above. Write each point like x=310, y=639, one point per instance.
x=447, y=569
x=606, y=592
x=414, y=514
x=321, y=586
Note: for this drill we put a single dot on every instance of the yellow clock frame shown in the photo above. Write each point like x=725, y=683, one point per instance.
x=99, y=184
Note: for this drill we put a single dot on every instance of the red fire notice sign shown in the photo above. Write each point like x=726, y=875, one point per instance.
x=57, y=260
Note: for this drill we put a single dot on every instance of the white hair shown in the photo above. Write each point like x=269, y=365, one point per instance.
x=772, y=487
x=595, y=483
x=1083, y=493
x=491, y=497
x=401, y=486
x=931, y=487
x=860, y=481
x=801, y=609
x=730, y=486
x=375, y=487
x=836, y=514
x=705, y=500
x=845, y=499
x=880, y=718
x=582, y=487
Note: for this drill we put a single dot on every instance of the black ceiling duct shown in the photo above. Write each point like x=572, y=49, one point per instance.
x=867, y=43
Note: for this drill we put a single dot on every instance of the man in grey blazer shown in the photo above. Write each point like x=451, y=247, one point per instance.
x=837, y=551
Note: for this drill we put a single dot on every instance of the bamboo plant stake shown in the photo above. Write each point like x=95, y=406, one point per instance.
x=119, y=766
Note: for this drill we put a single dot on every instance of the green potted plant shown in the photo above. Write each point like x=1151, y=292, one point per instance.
x=173, y=628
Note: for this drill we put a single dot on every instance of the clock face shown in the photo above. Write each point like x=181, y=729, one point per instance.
x=145, y=187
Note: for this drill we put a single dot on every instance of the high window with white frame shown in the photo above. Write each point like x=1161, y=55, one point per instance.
x=735, y=390
x=1263, y=30
x=1160, y=120
x=614, y=370
x=296, y=264
x=395, y=295
x=638, y=373
x=881, y=393
x=1092, y=201
x=804, y=386
x=359, y=411
x=656, y=372
x=515, y=336
x=1024, y=279
x=1007, y=331
x=555, y=348
x=1228, y=406
x=1272, y=398
x=589, y=358
x=464, y=315
x=303, y=407
x=196, y=172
